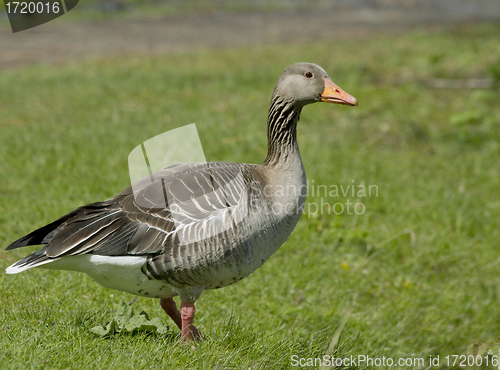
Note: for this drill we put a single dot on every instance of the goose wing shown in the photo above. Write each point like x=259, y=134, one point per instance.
x=179, y=205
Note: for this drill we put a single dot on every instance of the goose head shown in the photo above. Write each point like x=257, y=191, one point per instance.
x=306, y=83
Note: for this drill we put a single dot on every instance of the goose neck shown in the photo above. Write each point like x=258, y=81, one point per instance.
x=282, y=131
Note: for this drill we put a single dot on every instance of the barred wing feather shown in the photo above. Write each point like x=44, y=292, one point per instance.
x=180, y=205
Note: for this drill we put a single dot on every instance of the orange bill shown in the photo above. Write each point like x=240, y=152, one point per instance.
x=334, y=94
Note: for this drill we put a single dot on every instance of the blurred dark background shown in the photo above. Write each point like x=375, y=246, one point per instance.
x=114, y=27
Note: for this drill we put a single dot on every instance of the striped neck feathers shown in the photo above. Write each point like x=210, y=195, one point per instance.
x=282, y=130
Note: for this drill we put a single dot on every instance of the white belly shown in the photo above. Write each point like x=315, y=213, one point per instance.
x=115, y=272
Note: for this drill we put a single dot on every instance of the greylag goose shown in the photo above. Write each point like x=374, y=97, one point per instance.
x=196, y=226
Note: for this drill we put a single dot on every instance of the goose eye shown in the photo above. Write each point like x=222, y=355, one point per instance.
x=309, y=75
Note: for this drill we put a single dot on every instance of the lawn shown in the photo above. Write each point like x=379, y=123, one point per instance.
x=416, y=274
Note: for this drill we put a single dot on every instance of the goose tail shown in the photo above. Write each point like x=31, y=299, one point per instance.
x=33, y=260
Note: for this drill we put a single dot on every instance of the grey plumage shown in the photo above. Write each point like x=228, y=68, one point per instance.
x=194, y=226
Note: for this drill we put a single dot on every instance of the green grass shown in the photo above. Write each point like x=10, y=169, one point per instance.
x=418, y=271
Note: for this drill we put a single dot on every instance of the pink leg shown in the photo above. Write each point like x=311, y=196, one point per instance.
x=169, y=306
x=184, y=321
x=188, y=331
